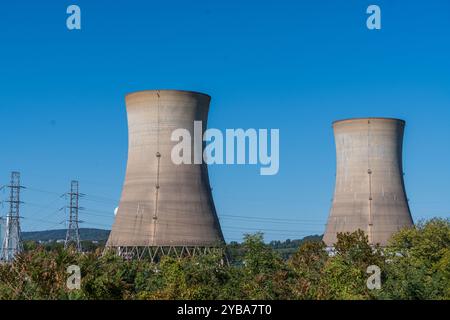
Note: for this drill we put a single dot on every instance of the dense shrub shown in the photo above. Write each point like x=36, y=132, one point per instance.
x=415, y=265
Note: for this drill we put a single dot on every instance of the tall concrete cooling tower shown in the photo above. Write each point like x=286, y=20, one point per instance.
x=164, y=207
x=370, y=192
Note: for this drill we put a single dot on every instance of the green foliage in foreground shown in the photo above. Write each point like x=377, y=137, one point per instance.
x=416, y=265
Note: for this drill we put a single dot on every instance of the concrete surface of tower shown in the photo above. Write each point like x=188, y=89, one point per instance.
x=164, y=205
x=370, y=192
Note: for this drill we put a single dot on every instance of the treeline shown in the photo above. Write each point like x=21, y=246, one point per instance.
x=416, y=265
x=285, y=248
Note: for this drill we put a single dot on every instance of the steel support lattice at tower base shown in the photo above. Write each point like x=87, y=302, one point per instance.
x=370, y=192
x=154, y=254
x=164, y=205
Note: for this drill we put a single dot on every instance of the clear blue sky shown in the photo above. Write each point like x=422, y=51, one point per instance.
x=293, y=65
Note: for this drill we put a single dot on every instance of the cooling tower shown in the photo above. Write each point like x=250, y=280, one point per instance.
x=370, y=192
x=164, y=205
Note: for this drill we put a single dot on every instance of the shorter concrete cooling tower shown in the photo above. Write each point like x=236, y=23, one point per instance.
x=164, y=206
x=370, y=192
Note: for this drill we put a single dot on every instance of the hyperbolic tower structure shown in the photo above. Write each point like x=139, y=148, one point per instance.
x=12, y=242
x=370, y=192
x=164, y=207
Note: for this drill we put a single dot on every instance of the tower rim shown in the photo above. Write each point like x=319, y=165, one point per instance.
x=167, y=91
x=369, y=118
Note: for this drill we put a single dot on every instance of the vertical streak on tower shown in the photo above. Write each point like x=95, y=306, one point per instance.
x=12, y=244
x=369, y=172
x=370, y=193
x=73, y=231
x=164, y=205
x=158, y=169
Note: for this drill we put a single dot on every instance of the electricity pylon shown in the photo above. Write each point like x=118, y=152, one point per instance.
x=73, y=231
x=12, y=243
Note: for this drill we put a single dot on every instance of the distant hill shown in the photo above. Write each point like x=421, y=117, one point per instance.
x=289, y=244
x=52, y=235
x=289, y=247
x=285, y=248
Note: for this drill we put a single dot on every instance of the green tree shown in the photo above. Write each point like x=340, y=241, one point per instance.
x=199, y=277
x=36, y=275
x=308, y=264
x=265, y=275
x=415, y=265
x=419, y=262
x=344, y=275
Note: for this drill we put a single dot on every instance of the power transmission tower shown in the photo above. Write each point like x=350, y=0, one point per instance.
x=73, y=231
x=12, y=244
